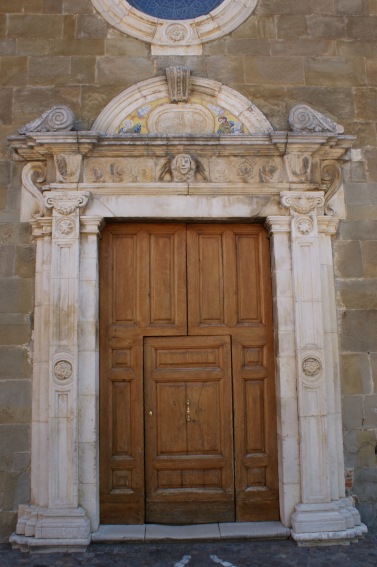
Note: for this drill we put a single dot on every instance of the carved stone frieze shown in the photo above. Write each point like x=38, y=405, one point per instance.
x=32, y=202
x=302, y=202
x=178, y=78
x=302, y=118
x=56, y=119
x=120, y=170
x=68, y=167
x=66, y=203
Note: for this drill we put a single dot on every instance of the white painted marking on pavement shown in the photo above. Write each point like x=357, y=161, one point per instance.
x=216, y=559
x=185, y=559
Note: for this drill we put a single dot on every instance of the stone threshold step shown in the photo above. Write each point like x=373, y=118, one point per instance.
x=197, y=532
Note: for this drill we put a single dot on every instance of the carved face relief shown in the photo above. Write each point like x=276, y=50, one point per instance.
x=183, y=167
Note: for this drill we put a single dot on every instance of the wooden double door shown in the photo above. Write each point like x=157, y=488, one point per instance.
x=187, y=398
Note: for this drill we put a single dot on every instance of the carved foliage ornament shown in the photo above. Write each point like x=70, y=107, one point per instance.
x=302, y=118
x=302, y=203
x=57, y=119
x=178, y=79
x=66, y=203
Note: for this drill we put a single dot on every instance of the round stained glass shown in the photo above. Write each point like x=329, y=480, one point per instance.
x=175, y=9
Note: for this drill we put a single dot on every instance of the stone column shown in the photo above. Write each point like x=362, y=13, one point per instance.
x=317, y=517
x=279, y=228
x=60, y=523
x=89, y=369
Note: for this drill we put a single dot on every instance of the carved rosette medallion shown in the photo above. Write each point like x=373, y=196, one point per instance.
x=312, y=370
x=66, y=203
x=176, y=33
x=63, y=370
x=65, y=226
x=304, y=225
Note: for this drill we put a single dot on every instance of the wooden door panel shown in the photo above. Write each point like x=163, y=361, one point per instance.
x=189, y=445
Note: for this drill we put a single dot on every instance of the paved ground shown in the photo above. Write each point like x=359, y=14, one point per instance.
x=223, y=554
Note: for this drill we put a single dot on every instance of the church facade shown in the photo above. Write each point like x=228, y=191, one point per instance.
x=188, y=243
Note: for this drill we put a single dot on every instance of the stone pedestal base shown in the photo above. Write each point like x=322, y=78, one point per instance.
x=328, y=523
x=45, y=529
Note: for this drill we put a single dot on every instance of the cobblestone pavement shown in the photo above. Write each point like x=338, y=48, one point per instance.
x=225, y=554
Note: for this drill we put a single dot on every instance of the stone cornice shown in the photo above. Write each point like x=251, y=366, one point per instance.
x=39, y=146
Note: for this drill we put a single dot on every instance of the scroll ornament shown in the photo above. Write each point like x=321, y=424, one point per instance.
x=32, y=202
x=331, y=176
x=302, y=118
x=57, y=119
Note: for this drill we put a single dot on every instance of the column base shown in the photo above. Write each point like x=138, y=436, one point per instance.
x=330, y=523
x=51, y=529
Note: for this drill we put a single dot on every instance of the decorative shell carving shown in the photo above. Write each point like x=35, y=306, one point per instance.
x=302, y=118
x=57, y=119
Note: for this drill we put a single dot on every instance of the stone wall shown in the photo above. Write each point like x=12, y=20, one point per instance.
x=319, y=52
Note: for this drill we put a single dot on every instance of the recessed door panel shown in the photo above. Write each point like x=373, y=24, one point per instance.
x=188, y=430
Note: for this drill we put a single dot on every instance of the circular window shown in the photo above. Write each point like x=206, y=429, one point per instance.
x=175, y=9
x=175, y=27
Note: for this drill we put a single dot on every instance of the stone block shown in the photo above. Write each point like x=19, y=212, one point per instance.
x=351, y=7
x=130, y=47
x=198, y=65
x=91, y=26
x=366, y=443
x=365, y=485
x=351, y=448
x=36, y=26
x=336, y=102
x=305, y=47
x=368, y=513
x=370, y=414
x=49, y=70
x=352, y=412
x=33, y=47
x=369, y=258
x=214, y=47
x=6, y=103
x=52, y=6
x=274, y=70
x=356, y=375
x=328, y=27
x=7, y=47
x=7, y=233
x=357, y=293
x=354, y=230
x=8, y=522
x=123, y=71
x=15, y=401
x=335, y=71
x=358, y=331
x=283, y=7
x=14, y=334
x=364, y=213
x=3, y=197
x=228, y=71
x=349, y=48
x=7, y=260
x=250, y=28
x=354, y=171
x=4, y=172
x=69, y=27
x=371, y=163
x=13, y=71
x=83, y=70
x=80, y=47
x=361, y=193
x=77, y=7
x=14, y=438
x=371, y=70
x=15, y=362
x=16, y=295
x=30, y=102
x=373, y=363
x=362, y=28
x=292, y=26
x=25, y=261
x=95, y=98
x=248, y=47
